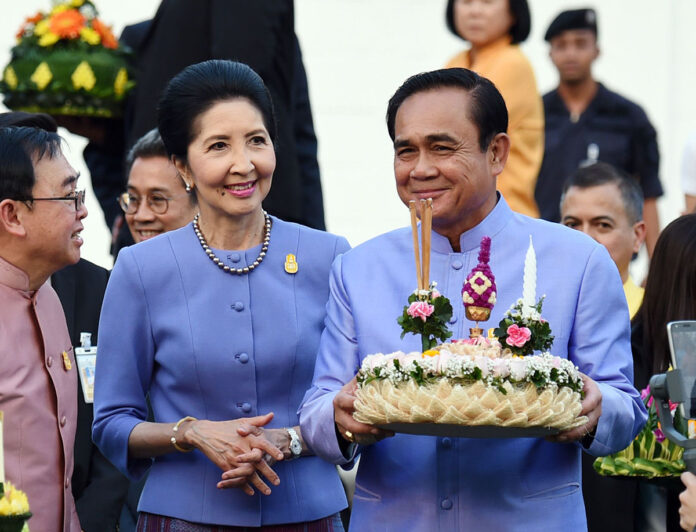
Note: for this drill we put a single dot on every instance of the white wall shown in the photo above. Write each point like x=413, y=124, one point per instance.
x=357, y=52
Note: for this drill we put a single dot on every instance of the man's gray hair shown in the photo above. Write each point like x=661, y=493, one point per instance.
x=149, y=145
x=601, y=173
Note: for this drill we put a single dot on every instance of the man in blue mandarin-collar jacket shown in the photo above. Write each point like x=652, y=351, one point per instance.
x=448, y=129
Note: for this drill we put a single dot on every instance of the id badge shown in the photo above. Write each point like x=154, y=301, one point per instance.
x=86, y=358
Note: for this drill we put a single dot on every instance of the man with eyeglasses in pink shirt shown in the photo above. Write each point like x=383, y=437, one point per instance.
x=41, y=214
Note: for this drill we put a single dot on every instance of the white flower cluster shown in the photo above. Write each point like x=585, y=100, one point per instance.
x=427, y=294
x=543, y=370
x=525, y=313
x=88, y=11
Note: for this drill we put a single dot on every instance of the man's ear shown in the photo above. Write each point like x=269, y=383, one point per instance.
x=11, y=218
x=639, y=231
x=498, y=151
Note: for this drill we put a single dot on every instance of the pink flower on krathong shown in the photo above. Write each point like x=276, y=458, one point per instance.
x=420, y=309
x=435, y=294
x=673, y=406
x=517, y=336
x=659, y=435
x=645, y=392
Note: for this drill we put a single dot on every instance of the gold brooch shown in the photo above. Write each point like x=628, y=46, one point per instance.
x=66, y=362
x=290, y=263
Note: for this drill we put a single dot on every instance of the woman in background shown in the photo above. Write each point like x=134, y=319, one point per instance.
x=494, y=28
x=219, y=323
x=670, y=295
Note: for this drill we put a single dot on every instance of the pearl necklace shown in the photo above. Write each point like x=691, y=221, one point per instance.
x=223, y=266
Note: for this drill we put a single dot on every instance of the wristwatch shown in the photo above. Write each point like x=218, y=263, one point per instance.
x=295, y=444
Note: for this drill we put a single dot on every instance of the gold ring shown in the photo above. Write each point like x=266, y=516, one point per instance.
x=349, y=436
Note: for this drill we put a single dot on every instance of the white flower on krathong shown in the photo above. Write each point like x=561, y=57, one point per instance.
x=442, y=362
x=88, y=11
x=422, y=293
x=483, y=363
x=393, y=375
x=518, y=369
x=530, y=314
x=467, y=298
x=42, y=76
x=492, y=300
x=429, y=364
x=83, y=77
x=10, y=77
x=500, y=368
x=373, y=361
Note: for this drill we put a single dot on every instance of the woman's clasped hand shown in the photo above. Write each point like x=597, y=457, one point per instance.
x=238, y=447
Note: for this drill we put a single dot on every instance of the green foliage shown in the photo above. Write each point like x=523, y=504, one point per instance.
x=541, y=338
x=434, y=328
x=646, y=456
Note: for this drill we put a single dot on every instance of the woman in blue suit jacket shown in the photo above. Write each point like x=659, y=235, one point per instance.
x=219, y=322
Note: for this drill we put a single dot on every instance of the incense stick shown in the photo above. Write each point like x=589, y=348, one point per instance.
x=416, y=251
x=426, y=230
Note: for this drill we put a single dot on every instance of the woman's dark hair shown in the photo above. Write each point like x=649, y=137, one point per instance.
x=486, y=105
x=197, y=88
x=18, y=147
x=670, y=291
x=519, y=11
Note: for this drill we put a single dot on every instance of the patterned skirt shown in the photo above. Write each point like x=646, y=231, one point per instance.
x=160, y=523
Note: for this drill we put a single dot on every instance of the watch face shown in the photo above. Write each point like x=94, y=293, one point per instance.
x=296, y=447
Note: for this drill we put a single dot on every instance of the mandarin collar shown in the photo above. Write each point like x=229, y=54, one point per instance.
x=489, y=51
x=13, y=277
x=470, y=240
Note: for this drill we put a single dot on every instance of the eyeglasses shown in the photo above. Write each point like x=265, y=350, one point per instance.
x=78, y=197
x=157, y=203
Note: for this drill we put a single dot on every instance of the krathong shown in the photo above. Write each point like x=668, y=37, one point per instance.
x=67, y=61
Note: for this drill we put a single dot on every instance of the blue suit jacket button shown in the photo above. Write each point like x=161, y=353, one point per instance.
x=447, y=443
x=234, y=257
x=457, y=264
x=238, y=306
x=246, y=408
x=446, y=504
x=453, y=320
x=243, y=358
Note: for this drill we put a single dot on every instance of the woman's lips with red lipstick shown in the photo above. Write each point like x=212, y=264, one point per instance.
x=241, y=190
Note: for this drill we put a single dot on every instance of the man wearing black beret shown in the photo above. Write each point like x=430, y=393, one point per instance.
x=586, y=122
